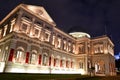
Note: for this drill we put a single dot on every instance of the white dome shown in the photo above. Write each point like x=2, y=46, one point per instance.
x=79, y=34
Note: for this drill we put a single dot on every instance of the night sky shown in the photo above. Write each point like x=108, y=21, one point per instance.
x=96, y=17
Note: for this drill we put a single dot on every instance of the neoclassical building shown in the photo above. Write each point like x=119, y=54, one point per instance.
x=30, y=42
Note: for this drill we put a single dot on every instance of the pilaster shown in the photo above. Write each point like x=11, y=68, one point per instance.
x=18, y=21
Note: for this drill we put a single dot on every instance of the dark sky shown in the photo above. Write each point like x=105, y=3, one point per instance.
x=97, y=17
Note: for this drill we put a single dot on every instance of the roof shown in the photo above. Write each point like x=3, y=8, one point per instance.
x=37, y=10
x=78, y=32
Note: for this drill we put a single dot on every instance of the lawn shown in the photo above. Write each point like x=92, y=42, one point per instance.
x=16, y=76
x=20, y=76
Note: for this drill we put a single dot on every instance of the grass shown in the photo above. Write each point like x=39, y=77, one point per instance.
x=21, y=76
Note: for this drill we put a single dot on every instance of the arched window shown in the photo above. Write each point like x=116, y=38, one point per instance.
x=68, y=64
x=5, y=53
x=33, y=57
x=19, y=55
x=45, y=59
x=56, y=62
x=63, y=63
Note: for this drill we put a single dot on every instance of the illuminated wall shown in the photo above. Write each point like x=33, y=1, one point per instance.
x=30, y=42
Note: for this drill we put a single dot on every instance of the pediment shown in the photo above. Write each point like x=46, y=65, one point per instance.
x=39, y=11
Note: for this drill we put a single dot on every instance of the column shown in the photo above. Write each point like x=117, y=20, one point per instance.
x=1, y=33
x=42, y=34
x=105, y=47
x=86, y=47
x=12, y=48
x=12, y=24
x=62, y=43
x=11, y=55
x=51, y=36
x=107, y=70
x=31, y=32
x=18, y=21
x=86, y=63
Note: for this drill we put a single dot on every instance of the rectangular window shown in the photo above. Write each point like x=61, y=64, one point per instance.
x=47, y=36
x=36, y=31
x=81, y=49
x=24, y=27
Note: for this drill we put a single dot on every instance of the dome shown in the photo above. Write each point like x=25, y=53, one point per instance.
x=78, y=32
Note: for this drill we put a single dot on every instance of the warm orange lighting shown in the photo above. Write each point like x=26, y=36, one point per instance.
x=79, y=34
x=2, y=65
x=106, y=51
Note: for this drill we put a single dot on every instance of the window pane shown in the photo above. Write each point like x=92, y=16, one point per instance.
x=36, y=32
x=19, y=56
x=45, y=60
x=24, y=27
x=33, y=58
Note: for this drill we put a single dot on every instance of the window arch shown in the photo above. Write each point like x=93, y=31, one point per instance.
x=62, y=63
x=56, y=62
x=5, y=53
x=33, y=57
x=67, y=63
x=19, y=55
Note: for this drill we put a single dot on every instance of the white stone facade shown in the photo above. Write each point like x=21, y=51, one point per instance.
x=30, y=42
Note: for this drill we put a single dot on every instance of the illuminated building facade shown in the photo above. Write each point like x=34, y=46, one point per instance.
x=30, y=42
